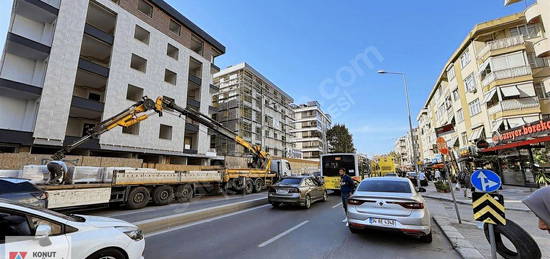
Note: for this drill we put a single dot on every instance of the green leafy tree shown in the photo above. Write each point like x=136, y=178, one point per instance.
x=340, y=140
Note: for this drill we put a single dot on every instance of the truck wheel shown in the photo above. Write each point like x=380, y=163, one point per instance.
x=138, y=198
x=524, y=244
x=258, y=185
x=163, y=195
x=249, y=187
x=184, y=193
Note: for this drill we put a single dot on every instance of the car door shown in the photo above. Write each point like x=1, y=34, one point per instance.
x=314, y=192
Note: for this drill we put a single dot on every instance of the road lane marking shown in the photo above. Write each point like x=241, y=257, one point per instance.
x=337, y=205
x=273, y=239
x=204, y=221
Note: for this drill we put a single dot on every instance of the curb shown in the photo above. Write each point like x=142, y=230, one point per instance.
x=156, y=224
x=460, y=244
x=468, y=203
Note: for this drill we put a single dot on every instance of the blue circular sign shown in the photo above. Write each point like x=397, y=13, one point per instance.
x=485, y=180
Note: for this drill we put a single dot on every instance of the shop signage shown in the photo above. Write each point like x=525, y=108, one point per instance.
x=522, y=132
x=482, y=144
x=442, y=146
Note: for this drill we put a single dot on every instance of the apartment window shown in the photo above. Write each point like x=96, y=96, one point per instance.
x=465, y=58
x=455, y=95
x=170, y=77
x=134, y=93
x=141, y=34
x=266, y=133
x=527, y=31
x=502, y=62
x=138, y=63
x=172, y=51
x=132, y=130
x=94, y=97
x=275, y=135
x=175, y=27
x=470, y=83
x=165, y=132
x=475, y=107
x=145, y=8
x=459, y=115
x=197, y=45
x=540, y=91
x=451, y=73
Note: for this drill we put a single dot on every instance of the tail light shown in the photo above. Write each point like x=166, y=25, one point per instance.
x=41, y=196
x=410, y=205
x=355, y=202
x=293, y=190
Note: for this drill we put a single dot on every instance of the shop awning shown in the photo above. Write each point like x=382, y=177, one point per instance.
x=490, y=95
x=509, y=91
x=497, y=124
x=516, y=122
x=516, y=144
x=476, y=134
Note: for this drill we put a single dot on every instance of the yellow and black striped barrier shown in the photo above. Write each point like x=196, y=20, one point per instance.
x=489, y=208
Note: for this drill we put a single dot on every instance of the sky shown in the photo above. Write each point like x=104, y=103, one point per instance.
x=329, y=51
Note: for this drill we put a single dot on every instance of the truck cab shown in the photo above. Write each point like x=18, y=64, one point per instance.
x=281, y=167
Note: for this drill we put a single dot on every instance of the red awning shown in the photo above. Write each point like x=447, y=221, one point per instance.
x=516, y=144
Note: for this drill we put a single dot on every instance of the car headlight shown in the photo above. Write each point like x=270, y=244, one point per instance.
x=132, y=232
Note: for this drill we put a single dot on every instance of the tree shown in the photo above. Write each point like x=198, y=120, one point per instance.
x=340, y=140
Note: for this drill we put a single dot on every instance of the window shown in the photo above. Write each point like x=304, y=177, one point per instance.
x=455, y=95
x=170, y=77
x=464, y=138
x=141, y=34
x=465, y=58
x=174, y=27
x=451, y=73
x=528, y=31
x=172, y=51
x=94, y=97
x=138, y=63
x=145, y=8
x=512, y=60
x=384, y=186
x=197, y=45
x=540, y=91
x=134, y=93
x=470, y=83
x=475, y=107
x=459, y=115
x=133, y=130
x=165, y=132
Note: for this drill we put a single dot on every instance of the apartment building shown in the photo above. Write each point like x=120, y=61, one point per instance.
x=254, y=108
x=67, y=65
x=406, y=151
x=498, y=79
x=310, y=130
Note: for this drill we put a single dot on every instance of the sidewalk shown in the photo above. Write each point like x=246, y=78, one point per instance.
x=468, y=238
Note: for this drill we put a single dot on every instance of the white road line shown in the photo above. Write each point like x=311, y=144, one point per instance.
x=337, y=205
x=273, y=239
x=203, y=221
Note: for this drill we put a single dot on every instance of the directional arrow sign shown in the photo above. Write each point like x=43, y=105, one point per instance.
x=485, y=181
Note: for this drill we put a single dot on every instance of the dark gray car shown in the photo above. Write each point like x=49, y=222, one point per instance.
x=297, y=190
x=22, y=191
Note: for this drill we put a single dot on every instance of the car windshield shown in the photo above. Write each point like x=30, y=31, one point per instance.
x=290, y=181
x=384, y=186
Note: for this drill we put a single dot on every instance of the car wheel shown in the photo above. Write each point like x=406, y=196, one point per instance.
x=258, y=185
x=276, y=204
x=325, y=198
x=184, y=193
x=353, y=230
x=307, y=203
x=163, y=195
x=108, y=253
x=426, y=238
x=138, y=198
x=524, y=244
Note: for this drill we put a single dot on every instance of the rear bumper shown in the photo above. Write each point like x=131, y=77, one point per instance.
x=418, y=225
x=290, y=199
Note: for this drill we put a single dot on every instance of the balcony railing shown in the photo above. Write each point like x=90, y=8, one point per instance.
x=506, y=73
x=501, y=44
x=514, y=104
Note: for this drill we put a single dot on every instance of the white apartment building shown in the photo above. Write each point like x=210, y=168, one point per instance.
x=67, y=65
x=405, y=150
x=254, y=108
x=310, y=130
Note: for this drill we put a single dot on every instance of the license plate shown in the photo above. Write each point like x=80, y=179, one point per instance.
x=282, y=191
x=383, y=222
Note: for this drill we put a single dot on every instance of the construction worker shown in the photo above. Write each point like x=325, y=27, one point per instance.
x=539, y=203
x=57, y=170
x=346, y=187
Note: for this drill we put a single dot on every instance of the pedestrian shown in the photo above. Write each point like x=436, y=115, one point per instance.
x=539, y=203
x=346, y=187
x=422, y=178
x=437, y=175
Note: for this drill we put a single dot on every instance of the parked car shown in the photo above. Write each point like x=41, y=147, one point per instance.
x=412, y=176
x=389, y=203
x=88, y=236
x=23, y=191
x=297, y=190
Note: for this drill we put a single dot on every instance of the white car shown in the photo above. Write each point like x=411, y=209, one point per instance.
x=79, y=236
x=389, y=203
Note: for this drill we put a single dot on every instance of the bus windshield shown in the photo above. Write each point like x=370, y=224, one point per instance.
x=331, y=164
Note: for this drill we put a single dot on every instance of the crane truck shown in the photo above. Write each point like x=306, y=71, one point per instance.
x=136, y=187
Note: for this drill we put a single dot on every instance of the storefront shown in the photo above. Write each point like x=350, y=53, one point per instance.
x=521, y=153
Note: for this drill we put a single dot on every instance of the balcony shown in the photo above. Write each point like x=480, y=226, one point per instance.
x=214, y=88
x=93, y=67
x=514, y=104
x=99, y=34
x=532, y=12
x=542, y=48
x=195, y=79
x=27, y=48
x=191, y=128
x=37, y=10
x=19, y=90
x=506, y=73
x=87, y=104
x=193, y=103
x=501, y=44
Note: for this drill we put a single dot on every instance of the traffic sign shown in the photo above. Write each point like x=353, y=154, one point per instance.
x=485, y=180
x=442, y=146
x=489, y=208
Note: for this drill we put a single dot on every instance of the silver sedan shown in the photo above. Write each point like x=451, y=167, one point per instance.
x=389, y=203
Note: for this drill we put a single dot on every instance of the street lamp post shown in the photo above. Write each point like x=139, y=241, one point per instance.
x=413, y=141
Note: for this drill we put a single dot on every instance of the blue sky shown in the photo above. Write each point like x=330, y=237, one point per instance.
x=308, y=49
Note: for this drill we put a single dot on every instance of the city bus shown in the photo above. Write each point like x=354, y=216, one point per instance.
x=331, y=163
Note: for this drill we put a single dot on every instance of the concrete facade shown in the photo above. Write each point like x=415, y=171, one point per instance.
x=405, y=151
x=68, y=65
x=310, y=130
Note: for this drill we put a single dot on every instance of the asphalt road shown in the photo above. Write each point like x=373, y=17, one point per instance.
x=264, y=232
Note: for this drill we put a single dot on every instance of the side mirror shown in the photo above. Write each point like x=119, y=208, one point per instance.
x=43, y=231
x=421, y=189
